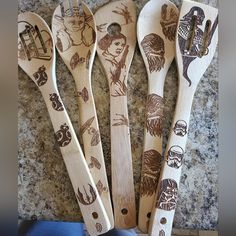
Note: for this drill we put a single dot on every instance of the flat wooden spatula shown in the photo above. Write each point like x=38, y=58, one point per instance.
x=196, y=41
x=116, y=34
x=156, y=37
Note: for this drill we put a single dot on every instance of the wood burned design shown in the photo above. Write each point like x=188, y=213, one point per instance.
x=162, y=233
x=151, y=168
x=154, y=114
x=175, y=157
x=56, y=103
x=193, y=42
x=100, y=187
x=154, y=49
x=121, y=121
x=34, y=43
x=88, y=59
x=92, y=131
x=98, y=227
x=102, y=27
x=87, y=199
x=84, y=94
x=63, y=136
x=167, y=195
x=41, y=76
x=94, y=163
x=168, y=22
x=115, y=52
x=124, y=11
x=75, y=60
x=180, y=128
x=74, y=30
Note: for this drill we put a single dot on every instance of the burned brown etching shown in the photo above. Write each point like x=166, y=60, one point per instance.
x=175, y=156
x=41, y=76
x=63, y=136
x=100, y=187
x=98, y=227
x=84, y=94
x=122, y=120
x=154, y=49
x=151, y=167
x=34, y=43
x=115, y=52
x=85, y=198
x=74, y=29
x=88, y=59
x=168, y=21
x=154, y=114
x=92, y=131
x=56, y=103
x=94, y=163
x=193, y=42
x=180, y=128
x=124, y=11
x=102, y=27
x=167, y=195
x=75, y=60
x=162, y=233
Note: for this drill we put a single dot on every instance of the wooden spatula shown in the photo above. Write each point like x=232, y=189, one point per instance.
x=36, y=56
x=116, y=23
x=156, y=28
x=74, y=32
x=196, y=41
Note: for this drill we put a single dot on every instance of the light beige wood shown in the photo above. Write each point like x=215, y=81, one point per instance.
x=36, y=56
x=66, y=29
x=156, y=37
x=115, y=51
x=193, y=58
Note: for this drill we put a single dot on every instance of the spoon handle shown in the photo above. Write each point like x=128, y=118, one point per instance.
x=91, y=206
x=168, y=186
x=92, y=144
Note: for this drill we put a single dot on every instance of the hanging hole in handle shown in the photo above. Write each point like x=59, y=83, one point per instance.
x=95, y=215
x=114, y=29
x=163, y=221
x=124, y=211
x=149, y=215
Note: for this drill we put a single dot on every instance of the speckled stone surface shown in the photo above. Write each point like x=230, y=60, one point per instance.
x=45, y=191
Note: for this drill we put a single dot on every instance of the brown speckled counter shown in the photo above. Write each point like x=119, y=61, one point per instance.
x=45, y=191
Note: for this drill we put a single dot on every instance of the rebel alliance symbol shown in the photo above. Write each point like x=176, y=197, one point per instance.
x=180, y=128
x=175, y=156
x=87, y=200
x=41, y=76
x=167, y=195
x=56, y=104
x=63, y=136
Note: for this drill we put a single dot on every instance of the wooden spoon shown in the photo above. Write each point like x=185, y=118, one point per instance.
x=36, y=56
x=116, y=23
x=196, y=41
x=156, y=34
x=74, y=32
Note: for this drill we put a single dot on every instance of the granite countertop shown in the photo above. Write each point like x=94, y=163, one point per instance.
x=45, y=191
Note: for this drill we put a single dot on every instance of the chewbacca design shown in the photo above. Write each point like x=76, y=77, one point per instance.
x=154, y=114
x=41, y=76
x=167, y=195
x=154, y=49
x=63, y=136
x=56, y=104
x=200, y=43
x=150, y=172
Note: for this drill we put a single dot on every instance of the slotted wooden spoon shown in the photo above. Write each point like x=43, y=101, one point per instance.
x=156, y=37
x=196, y=41
x=116, y=34
x=74, y=32
x=36, y=56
